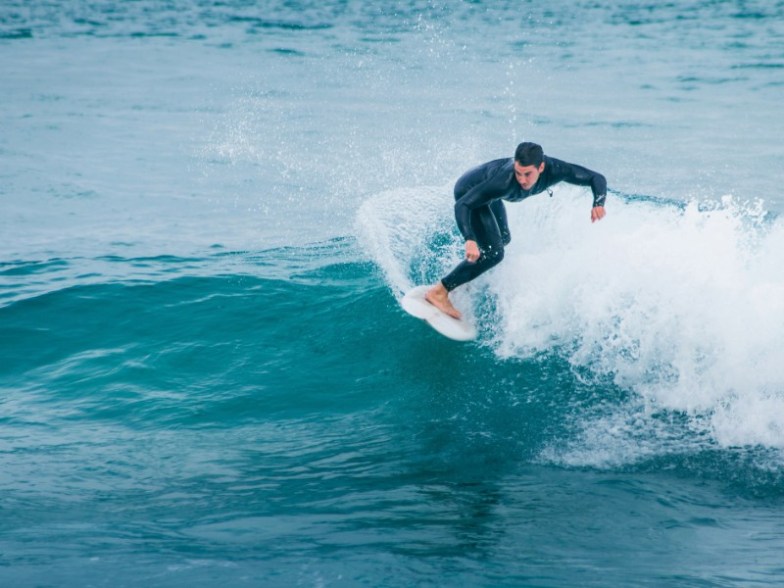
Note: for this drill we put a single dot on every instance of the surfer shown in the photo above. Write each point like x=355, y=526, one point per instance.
x=481, y=216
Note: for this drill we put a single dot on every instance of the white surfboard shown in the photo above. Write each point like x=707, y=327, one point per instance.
x=414, y=303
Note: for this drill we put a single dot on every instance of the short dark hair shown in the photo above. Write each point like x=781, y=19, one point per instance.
x=529, y=154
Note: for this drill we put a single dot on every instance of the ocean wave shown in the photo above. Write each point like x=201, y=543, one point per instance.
x=677, y=302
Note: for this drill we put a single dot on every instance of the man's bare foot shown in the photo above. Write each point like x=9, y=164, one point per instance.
x=439, y=297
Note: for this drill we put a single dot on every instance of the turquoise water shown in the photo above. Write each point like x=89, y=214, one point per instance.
x=211, y=209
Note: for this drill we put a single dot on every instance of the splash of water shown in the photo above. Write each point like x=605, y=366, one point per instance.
x=682, y=305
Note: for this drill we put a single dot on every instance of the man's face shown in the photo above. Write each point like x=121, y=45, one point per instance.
x=527, y=175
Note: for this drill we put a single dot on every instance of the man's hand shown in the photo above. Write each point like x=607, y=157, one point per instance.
x=597, y=213
x=472, y=251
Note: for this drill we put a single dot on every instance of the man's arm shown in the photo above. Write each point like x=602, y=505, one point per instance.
x=479, y=195
x=582, y=176
x=475, y=197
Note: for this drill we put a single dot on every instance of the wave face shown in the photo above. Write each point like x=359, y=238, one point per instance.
x=226, y=415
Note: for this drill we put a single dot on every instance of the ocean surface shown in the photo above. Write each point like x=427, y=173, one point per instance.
x=209, y=211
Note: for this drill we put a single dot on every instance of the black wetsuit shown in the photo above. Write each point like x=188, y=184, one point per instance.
x=480, y=213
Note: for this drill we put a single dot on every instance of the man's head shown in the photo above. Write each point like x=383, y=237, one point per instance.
x=528, y=164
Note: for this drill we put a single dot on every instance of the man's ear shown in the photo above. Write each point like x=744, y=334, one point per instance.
x=541, y=167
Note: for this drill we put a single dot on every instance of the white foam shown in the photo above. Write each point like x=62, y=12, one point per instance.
x=684, y=307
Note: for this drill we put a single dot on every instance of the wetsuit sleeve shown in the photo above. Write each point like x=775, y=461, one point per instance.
x=582, y=176
x=477, y=196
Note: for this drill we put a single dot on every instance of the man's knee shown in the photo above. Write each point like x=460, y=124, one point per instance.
x=493, y=256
